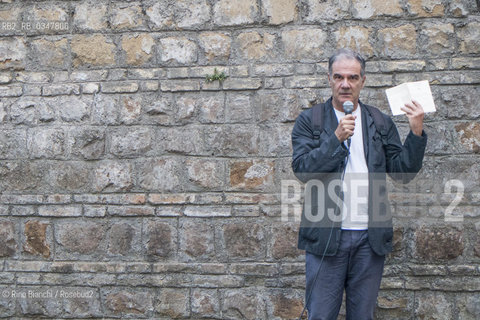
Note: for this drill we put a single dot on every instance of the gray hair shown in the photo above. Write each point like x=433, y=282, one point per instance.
x=349, y=54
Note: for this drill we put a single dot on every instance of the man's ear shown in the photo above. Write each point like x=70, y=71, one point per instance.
x=363, y=81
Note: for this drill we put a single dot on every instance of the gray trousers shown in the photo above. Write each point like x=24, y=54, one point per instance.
x=355, y=268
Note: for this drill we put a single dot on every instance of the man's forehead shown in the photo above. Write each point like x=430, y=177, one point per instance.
x=346, y=65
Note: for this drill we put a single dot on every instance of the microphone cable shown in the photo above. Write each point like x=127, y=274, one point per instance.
x=307, y=299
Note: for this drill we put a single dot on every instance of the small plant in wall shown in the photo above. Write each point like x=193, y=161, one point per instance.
x=220, y=76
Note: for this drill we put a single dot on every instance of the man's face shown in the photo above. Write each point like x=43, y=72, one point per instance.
x=346, y=82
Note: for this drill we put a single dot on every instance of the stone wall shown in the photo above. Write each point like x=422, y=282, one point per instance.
x=131, y=187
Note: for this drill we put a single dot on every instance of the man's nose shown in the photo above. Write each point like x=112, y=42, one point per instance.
x=345, y=83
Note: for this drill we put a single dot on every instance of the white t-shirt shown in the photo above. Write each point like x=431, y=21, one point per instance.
x=355, y=213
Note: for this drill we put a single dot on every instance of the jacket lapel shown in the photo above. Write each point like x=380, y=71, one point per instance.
x=368, y=132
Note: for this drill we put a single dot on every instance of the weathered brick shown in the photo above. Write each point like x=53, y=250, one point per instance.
x=60, y=89
x=60, y=211
x=365, y=9
x=235, y=12
x=242, y=84
x=95, y=50
x=207, y=211
x=180, y=85
x=119, y=87
x=398, y=42
x=11, y=91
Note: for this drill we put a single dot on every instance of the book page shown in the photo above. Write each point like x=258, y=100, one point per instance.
x=420, y=91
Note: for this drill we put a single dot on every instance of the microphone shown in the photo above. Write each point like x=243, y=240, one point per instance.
x=348, y=109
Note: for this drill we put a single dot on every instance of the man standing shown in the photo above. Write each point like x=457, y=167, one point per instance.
x=346, y=226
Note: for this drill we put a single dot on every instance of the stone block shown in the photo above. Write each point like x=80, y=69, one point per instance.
x=256, y=46
x=398, y=42
x=119, y=87
x=243, y=304
x=51, y=54
x=284, y=304
x=251, y=175
x=60, y=89
x=8, y=243
x=13, y=144
x=280, y=12
x=197, y=240
x=319, y=11
x=88, y=143
x=205, y=303
x=355, y=38
x=242, y=84
x=438, y=39
x=22, y=175
x=208, y=174
x=172, y=303
x=160, y=239
x=238, y=108
x=90, y=15
x=36, y=238
x=13, y=53
x=216, y=46
x=92, y=50
x=59, y=211
x=128, y=302
x=243, y=240
x=365, y=9
x=191, y=14
x=124, y=239
x=180, y=140
x=126, y=16
x=304, y=44
x=177, y=50
x=79, y=238
x=46, y=142
x=68, y=176
x=232, y=140
x=391, y=304
x=207, y=211
x=160, y=174
x=284, y=242
x=27, y=110
x=469, y=38
x=112, y=176
x=132, y=142
x=437, y=242
x=104, y=110
x=138, y=48
x=432, y=305
x=426, y=8
x=468, y=306
x=180, y=85
x=468, y=134
x=235, y=12
x=11, y=91
x=131, y=108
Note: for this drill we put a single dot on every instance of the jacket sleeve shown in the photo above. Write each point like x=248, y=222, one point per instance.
x=311, y=156
x=404, y=161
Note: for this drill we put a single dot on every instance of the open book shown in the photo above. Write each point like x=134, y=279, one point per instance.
x=408, y=91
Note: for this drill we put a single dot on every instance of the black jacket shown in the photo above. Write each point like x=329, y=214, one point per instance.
x=323, y=160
